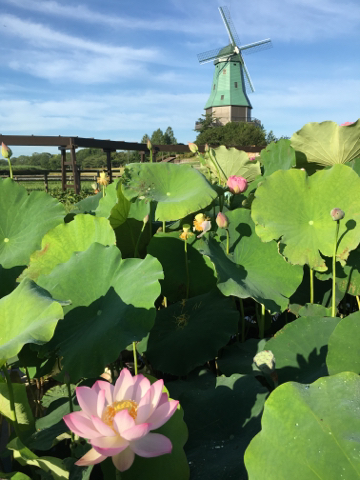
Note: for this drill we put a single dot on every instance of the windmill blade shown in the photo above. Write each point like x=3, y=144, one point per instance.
x=225, y=15
x=256, y=46
x=248, y=83
x=217, y=53
x=208, y=56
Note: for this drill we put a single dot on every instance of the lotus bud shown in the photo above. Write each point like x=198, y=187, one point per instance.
x=346, y=124
x=193, y=147
x=337, y=214
x=222, y=220
x=146, y=219
x=265, y=361
x=237, y=184
x=5, y=151
x=149, y=144
x=207, y=148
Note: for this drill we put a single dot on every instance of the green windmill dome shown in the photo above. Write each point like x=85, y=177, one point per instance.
x=229, y=101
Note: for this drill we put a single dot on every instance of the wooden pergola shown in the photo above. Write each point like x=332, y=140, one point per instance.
x=108, y=146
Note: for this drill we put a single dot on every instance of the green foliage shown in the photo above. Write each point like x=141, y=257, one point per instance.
x=233, y=133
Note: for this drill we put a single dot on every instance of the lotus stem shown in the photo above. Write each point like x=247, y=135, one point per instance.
x=11, y=399
x=216, y=166
x=311, y=285
x=227, y=241
x=136, y=252
x=118, y=474
x=187, y=269
x=333, y=310
x=135, y=358
x=164, y=226
x=358, y=301
x=10, y=169
x=103, y=190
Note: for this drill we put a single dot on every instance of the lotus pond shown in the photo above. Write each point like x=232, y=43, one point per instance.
x=187, y=323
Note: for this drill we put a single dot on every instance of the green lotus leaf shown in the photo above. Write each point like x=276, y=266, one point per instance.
x=107, y=203
x=238, y=357
x=348, y=276
x=295, y=208
x=222, y=417
x=14, y=476
x=168, y=248
x=177, y=189
x=343, y=354
x=27, y=315
x=24, y=220
x=300, y=348
x=327, y=143
x=23, y=411
x=61, y=242
x=253, y=268
x=112, y=306
x=88, y=204
x=355, y=165
x=277, y=156
x=231, y=161
x=120, y=211
x=309, y=432
x=25, y=456
x=199, y=326
x=315, y=310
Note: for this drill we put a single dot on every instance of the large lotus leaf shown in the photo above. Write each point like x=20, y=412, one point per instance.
x=27, y=315
x=177, y=189
x=327, y=143
x=222, y=418
x=24, y=220
x=107, y=202
x=168, y=248
x=253, y=268
x=295, y=208
x=23, y=411
x=48, y=464
x=300, y=348
x=355, y=165
x=112, y=306
x=61, y=242
x=88, y=204
x=343, y=354
x=277, y=156
x=238, y=357
x=189, y=333
x=348, y=276
x=309, y=432
x=231, y=161
x=120, y=211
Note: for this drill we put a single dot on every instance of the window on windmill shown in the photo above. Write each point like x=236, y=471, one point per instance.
x=224, y=71
x=214, y=87
x=222, y=97
x=236, y=84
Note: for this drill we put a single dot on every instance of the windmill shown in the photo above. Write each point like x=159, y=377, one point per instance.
x=228, y=100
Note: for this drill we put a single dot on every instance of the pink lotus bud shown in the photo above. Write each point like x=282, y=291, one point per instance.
x=237, y=184
x=193, y=147
x=337, y=214
x=149, y=144
x=346, y=124
x=222, y=220
x=5, y=151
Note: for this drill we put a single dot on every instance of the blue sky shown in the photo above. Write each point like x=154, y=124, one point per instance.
x=119, y=69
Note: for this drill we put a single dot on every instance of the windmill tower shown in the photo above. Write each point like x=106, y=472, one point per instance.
x=228, y=100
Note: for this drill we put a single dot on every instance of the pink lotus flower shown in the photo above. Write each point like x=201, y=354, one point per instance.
x=222, y=220
x=117, y=419
x=237, y=184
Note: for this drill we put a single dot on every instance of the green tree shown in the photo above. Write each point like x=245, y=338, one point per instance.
x=233, y=133
x=157, y=138
x=169, y=137
x=208, y=121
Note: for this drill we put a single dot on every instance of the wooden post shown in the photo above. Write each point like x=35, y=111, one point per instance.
x=76, y=173
x=46, y=181
x=142, y=157
x=63, y=167
x=108, y=164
